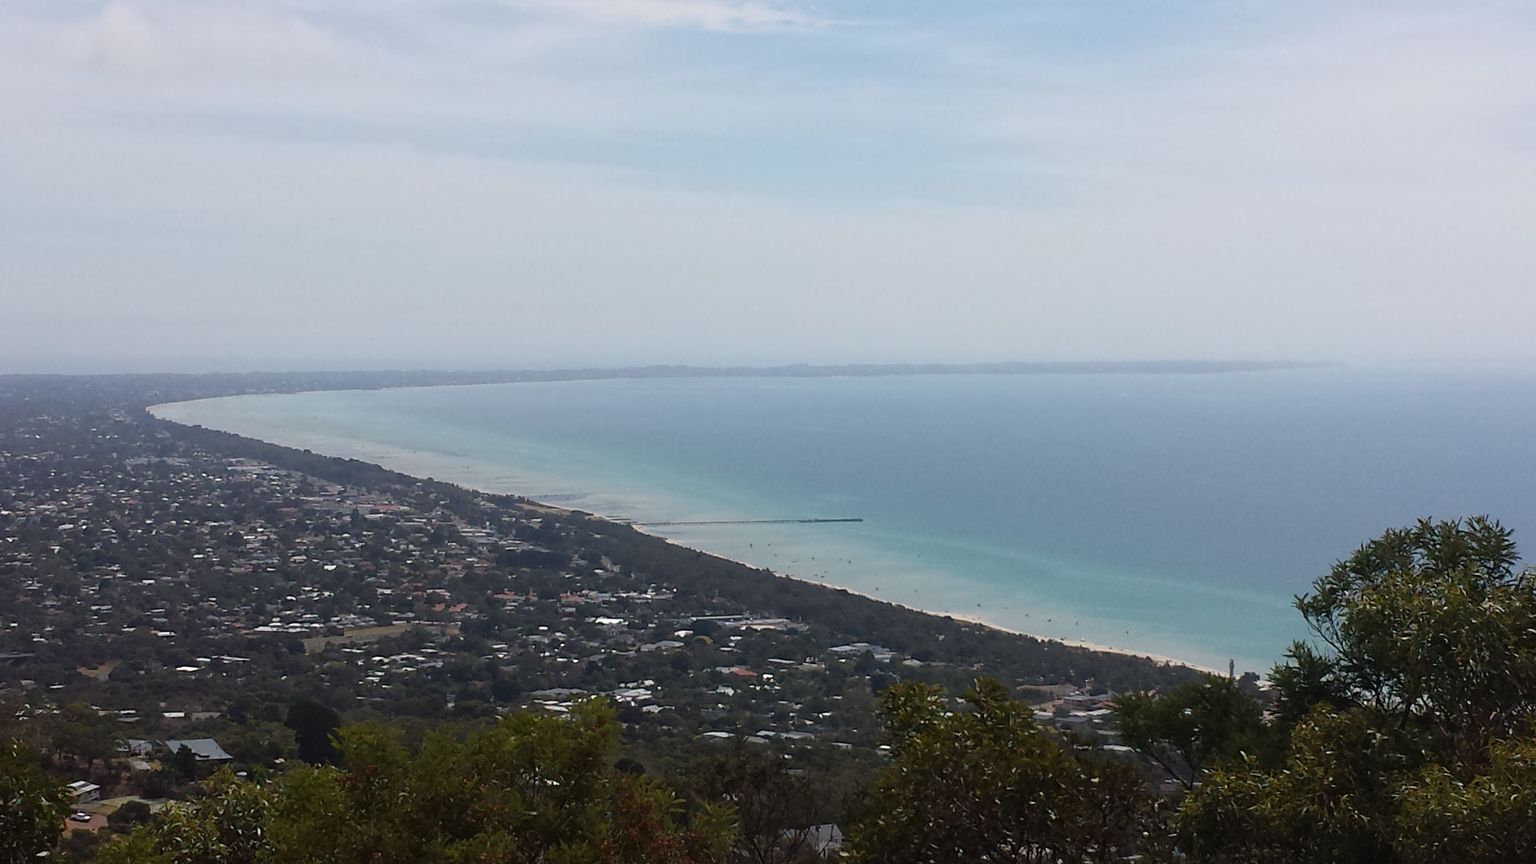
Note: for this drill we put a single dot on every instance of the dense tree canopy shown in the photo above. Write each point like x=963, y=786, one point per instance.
x=985, y=785
x=32, y=805
x=775, y=807
x=530, y=789
x=1409, y=732
x=1433, y=626
x=1187, y=729
x=313, y=725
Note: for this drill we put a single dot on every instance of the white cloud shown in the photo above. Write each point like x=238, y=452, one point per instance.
x=725, y=15
x=138, y=37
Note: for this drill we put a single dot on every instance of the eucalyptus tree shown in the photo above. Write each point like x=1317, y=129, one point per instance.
x=1409, y=722
x=982, y=783
x=32, y=805
x=1189, y=728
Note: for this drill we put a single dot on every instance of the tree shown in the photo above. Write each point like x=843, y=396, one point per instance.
x=184, y=760
x=32, y=805
x=312, y=725
x=127, y=816
x=258, y=743
x=1431, y=626
x=1330, y=800
x=529, y=789
x=1484, y=821
x=984, y=785
x=1409, y=732
x=226, y=824
x=1304, y=681
x=1191, y=726
x=774, y=809
x=80, y=731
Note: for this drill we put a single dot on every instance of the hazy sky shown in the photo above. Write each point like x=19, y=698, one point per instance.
x=352, y=183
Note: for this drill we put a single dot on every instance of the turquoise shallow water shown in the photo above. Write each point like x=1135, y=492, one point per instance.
x=1173, y=514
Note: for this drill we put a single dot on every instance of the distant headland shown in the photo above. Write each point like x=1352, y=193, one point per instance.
x=182, y=386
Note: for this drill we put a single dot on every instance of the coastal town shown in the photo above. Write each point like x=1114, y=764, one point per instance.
x=169, y=598
x=767, y=432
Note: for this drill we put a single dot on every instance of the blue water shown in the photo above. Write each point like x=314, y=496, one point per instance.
x=1171, y=514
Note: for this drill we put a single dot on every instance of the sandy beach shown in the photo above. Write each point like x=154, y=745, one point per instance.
x=970, y=618
x=471, y=474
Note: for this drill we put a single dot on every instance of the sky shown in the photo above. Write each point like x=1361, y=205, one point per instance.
x=290, y=184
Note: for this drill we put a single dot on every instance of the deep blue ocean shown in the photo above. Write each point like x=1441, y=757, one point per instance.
x=1170, y=514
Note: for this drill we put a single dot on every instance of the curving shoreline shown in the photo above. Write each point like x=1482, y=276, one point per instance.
x=158, y=412
x=968, y=618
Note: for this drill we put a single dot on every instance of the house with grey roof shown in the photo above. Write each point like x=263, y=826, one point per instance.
x=204, y=749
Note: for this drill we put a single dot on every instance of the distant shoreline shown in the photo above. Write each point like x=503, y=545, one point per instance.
x=969, y=618
x=212, y=385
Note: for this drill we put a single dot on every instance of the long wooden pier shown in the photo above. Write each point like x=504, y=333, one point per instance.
x=748, y=522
